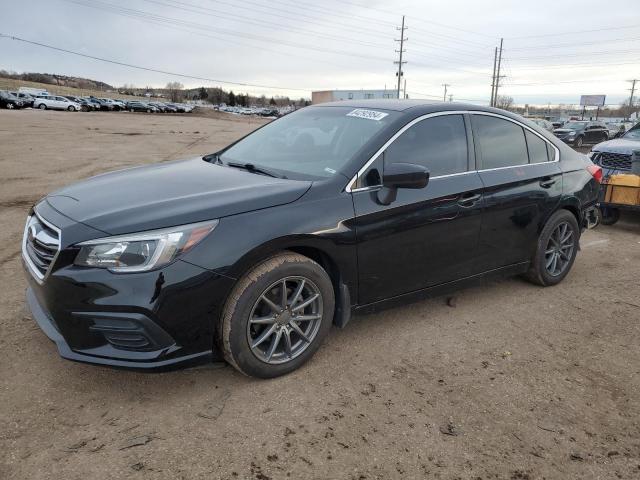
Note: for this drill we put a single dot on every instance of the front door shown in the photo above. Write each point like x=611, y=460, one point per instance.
x=522, y=187
x=424, y=237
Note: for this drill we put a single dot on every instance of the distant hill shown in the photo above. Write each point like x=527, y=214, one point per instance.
x=58, y=80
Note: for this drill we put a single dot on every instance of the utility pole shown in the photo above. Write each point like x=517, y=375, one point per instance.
x=633, y=90
x=445, y=85
x=404, y=90
x=497, y=81
x=493, y=77
x=450, y=98
x=401, y=51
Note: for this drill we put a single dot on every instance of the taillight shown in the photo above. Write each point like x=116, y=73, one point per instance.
x=596, y=172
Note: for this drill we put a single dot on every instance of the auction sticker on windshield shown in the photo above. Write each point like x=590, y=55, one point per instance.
x=368, y=114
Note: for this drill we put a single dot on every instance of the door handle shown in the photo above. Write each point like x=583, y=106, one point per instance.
x=469, y=200
x=547, y=182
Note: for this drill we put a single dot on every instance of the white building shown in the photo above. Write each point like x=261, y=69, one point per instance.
x=337, y=95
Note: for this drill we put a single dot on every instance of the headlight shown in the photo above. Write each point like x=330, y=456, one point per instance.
x=140, y=252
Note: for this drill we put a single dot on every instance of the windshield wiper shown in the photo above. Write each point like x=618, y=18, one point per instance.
x=250, y=167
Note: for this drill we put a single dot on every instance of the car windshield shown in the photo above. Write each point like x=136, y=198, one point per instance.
x=633, y=134
x=574, y=125
x=312, y=142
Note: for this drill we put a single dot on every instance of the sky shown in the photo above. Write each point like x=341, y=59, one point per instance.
x=553, y=51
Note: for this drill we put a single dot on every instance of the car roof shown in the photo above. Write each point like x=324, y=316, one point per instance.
x=422, y=107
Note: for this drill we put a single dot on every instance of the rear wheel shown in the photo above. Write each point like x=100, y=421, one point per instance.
x=277, y=316
x=556, y=250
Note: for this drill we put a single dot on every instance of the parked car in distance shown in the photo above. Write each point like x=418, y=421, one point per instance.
x=580, y=132
x=10, y=101
x=85, y=105
x=136, y=106
x=615, y=156
x=55, y=102
x=541, y=122
x=25, y=98
x=178, y=107
x=393, y=200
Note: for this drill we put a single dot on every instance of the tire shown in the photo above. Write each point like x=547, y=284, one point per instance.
x=131, y=110
x=10, y=106
x=543, y=271
x=42, y=106
x=579, y=142
x=610, y=215
x=148, y=110
x=71, y=108
x=237, y=334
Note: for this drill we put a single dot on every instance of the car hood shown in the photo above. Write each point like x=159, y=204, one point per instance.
x=170, y=194
x=618, y=145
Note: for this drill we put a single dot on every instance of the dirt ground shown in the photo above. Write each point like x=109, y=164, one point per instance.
x=511, y=381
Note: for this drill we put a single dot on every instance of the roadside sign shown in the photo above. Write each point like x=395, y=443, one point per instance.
x=592, y=100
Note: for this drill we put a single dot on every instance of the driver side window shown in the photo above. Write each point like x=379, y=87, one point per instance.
x=438, y=143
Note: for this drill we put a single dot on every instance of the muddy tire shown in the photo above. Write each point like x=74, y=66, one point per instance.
x=277, y=316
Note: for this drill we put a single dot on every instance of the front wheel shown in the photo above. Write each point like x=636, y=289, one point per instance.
x=42, y=106
x=10, y=106
x=556, y=250
x=71, y=108
x=277, y=316
x=579, y=142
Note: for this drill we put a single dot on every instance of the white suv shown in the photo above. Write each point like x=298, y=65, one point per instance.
x=56, y=103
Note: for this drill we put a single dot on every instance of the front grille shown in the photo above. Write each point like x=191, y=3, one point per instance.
x=40, y=246
x=616, y=161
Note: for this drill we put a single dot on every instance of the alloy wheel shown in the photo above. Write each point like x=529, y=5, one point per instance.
x=559, y=249
x=285, y=320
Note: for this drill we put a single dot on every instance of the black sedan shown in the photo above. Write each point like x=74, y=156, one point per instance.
x=252, y=253
x=578, y=133
x=135, y=106
x=10, y=101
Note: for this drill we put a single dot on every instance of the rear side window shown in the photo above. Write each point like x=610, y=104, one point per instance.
x=501, y=142
x=537, y=148
x=438, y=143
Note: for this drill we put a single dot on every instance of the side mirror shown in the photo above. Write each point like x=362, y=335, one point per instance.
x=401, y=175
x=405, y=175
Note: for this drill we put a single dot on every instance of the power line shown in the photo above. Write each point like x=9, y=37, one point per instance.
x=574, y=32
x=442, y=25
x=149, y=69
x=99, y=5
x=188, y=7
x=572, y=44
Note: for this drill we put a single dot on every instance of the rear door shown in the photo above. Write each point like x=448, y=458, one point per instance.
x=427, y=236
x=522, y=186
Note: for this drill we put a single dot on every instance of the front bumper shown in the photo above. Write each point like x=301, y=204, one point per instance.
x=50, y=329
x=151, y=320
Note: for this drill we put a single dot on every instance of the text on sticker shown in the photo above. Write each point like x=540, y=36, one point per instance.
x=368, y=114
